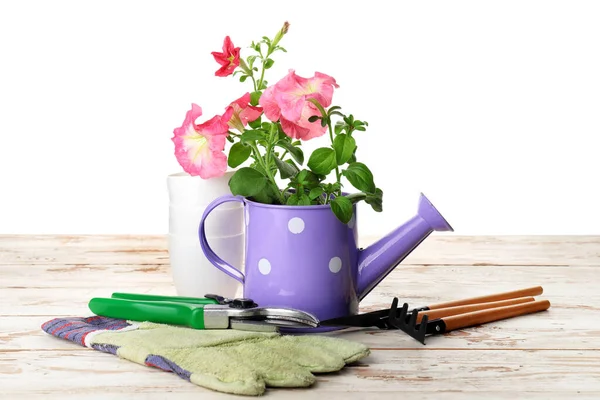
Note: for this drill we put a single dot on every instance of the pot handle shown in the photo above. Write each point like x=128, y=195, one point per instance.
x=208, y=252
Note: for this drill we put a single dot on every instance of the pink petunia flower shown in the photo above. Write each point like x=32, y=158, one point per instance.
x=243, y=112
x=199, y=148
x=229, y=58
x=287, y=101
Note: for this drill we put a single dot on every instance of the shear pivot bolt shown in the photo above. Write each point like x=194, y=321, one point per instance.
x=242, y=303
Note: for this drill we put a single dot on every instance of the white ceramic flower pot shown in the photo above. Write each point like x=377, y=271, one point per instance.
x=184, y=220
x=185, y=189
x=193, y=275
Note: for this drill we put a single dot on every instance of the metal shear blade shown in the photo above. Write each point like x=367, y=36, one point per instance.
x=284, y=317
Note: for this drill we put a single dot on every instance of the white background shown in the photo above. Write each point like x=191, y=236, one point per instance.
x=491, y=108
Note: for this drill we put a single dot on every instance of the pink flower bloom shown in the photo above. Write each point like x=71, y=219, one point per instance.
x=243, y=112
x=229, y=58
x=199, y=148
x=287, y=101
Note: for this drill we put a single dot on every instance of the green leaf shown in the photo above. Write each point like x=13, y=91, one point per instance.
x=243, y=78
x=375, y=200
x=254, y=98
x=258, y=166
x=356, y=197
x=292, y=200
x=238, y=154
x=266, y=196
x=307, y=179
x=312, y=180
x=342, y=208
x=301, y=177
x=286, y=170
x=294, y=151
x=255, y=124
x=353, y=158
x=315, y=192
x=249, y=136
x=304, y=200
x=339, y=127
x=360, y=177
x=269, y=63
x=247, y=182
x=344, y=146
x=313, y=118
x=322, y=161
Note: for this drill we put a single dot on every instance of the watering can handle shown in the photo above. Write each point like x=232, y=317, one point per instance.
x=208, y=252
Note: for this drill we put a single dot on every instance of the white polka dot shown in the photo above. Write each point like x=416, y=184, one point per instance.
x=296, y=225
x=335, y=264
x=264, y=266
x=352, y=221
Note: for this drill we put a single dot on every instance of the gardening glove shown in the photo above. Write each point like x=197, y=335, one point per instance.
x=228, y=360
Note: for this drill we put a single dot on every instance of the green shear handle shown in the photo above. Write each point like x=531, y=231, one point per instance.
x=187, y=311
x=209, y=312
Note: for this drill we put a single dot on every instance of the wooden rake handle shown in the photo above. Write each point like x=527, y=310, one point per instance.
x=494, y=314
x=449, y=311
x=532, y=291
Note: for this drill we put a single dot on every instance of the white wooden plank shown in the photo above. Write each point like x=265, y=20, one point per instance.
x=506, y=250
x=83, y=249
x=437, y=249
x=409, y=282
x=573, y=300
x=82, y=275
x=562, y=327
x=401, y=373
x=417, y=285
x=303, y=394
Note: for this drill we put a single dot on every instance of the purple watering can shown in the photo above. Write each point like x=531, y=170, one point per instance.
x=303, y=257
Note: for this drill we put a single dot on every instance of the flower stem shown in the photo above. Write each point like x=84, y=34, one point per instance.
x=262, y=73
x=337, y=169
x=328, y=120
x=267, y=169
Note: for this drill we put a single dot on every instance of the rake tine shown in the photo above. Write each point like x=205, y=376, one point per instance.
x=412, y=323
x=392, y=319
x=422, y=329
x=399, y=319
x=408, y=324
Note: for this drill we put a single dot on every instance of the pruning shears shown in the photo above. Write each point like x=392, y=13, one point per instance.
x=208, y=312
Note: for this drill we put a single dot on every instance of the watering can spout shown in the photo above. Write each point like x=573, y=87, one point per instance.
x=378, y=260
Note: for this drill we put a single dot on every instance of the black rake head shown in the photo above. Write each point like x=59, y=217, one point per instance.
x=405, y=323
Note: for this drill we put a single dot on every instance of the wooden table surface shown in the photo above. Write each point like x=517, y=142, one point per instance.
x=552, y=354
